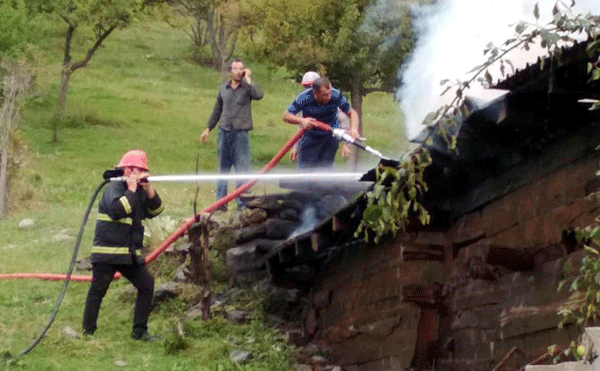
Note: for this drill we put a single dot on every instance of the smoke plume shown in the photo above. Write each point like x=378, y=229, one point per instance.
x=451, y=38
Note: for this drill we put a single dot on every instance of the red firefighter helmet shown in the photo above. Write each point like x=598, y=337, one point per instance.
x=135, y=157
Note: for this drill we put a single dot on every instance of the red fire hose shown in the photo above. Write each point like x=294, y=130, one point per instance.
x=66, y=278
x=184, y=227
x=241, y=189
x=45, y=276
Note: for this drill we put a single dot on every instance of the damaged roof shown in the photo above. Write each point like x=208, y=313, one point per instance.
x=566, y=73
x=543, y=105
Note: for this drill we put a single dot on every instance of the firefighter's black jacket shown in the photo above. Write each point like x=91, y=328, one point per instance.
x=119, y=231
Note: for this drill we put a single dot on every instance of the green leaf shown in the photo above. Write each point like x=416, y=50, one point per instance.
x=488, y=77
x=565, y=312
x=575, y=284
x=412, y=193
x=424, y=218
x=567, y=267
x=590, y=249
x=588, y=296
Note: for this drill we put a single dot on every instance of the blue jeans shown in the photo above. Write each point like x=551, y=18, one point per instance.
x=233, y=150
x=317, y=151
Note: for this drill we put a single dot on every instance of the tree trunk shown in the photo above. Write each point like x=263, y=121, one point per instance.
x=200, y=269
x=356, y=97
x=222, y=42
x=15, y=81
x=3, y=181
x=69, y=67
x=62, y=101
x=64, y=86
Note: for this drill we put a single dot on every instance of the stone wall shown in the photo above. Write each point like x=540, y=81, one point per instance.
x=357, y=312
x=521, y=241
x=503, y=262
x=256, y=231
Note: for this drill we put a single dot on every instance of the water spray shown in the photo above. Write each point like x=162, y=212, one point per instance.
x=307, y=177
x=117, y=175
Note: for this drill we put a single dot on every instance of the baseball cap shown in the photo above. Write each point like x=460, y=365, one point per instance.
x=308, y=78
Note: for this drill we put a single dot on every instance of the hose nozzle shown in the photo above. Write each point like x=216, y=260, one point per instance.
x=342, y=135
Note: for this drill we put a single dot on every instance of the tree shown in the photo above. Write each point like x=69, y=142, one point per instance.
x=17, y=31
x=368, y=49
x=95, y=20
x=215, y=24
x=15, y=82
x=16, y=27
x=359, y=44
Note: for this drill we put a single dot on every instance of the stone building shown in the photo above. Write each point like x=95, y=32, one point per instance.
x=480, y=282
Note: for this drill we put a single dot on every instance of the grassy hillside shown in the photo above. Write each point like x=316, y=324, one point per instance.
x=139, y=91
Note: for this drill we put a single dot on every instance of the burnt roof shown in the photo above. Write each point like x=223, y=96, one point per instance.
x=568, y=72
x=542, y=107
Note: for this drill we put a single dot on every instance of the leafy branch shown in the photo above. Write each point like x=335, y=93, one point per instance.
x=396, y=190
x=561, y=31
x=584, y=303
x=583, y=306
x=393, y=201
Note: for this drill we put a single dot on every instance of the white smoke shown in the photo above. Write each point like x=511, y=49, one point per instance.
x=451, y=38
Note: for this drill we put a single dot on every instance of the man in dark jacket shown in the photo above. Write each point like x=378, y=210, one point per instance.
x=233, y=112
x=118, y=242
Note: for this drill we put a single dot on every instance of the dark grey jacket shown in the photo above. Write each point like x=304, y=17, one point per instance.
x=233, y=107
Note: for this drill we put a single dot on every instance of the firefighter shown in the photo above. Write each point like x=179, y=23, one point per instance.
x=118, y=242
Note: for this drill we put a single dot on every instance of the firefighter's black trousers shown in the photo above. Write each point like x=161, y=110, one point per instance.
x=102, y=276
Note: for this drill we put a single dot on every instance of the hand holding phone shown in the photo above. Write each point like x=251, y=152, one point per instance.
x=247, y=74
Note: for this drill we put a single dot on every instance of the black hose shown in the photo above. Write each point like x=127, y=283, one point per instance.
x=63, y=290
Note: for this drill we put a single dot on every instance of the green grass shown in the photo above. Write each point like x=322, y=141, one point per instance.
x=139, y=91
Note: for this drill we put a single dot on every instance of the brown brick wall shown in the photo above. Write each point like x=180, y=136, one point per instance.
x=365, y=323
x=533, y=216
x=488, y=318
x=358, y=308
